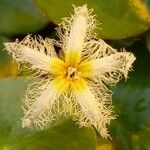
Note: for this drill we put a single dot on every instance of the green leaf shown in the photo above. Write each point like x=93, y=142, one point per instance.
x=119, y=20
x=18, y=17
x=64, y=134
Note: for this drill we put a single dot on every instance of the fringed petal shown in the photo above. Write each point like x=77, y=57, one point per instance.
x=41, y=102
x=37, y=106
x=74, y=31
x=111, y=68
x=95, y=49
x=94, y=111
x=36, y=51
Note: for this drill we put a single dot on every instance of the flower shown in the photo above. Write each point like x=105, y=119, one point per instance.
x=76, y=82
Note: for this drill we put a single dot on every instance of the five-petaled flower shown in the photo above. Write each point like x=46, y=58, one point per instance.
x=76, y=81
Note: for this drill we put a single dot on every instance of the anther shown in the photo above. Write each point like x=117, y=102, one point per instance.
x=72, y=73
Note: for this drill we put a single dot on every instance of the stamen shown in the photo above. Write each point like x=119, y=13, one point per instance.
x=72, y=73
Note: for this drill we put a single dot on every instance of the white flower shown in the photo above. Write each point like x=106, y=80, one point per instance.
x=77, y=83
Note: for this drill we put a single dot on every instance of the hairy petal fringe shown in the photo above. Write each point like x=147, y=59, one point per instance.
x=95, y=49
x=38, y=104
x=37, y=52
x=111, y=68
x=64, y=104
x=68, y=29
x=43, y=102
x=95, y=111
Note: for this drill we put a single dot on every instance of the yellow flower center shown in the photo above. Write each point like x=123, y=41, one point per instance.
x=71, y=73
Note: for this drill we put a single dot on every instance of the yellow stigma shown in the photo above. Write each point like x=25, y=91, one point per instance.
x=71, y=73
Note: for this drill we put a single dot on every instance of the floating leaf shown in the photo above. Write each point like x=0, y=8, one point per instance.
x=18, y=17
x=118, y=18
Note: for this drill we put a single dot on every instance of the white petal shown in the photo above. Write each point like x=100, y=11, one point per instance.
x=78, y=29
x=95, y=111
x=45, y=100
x=37, y=109
x=30, y=51
x=119, y=63
x=74, y=30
